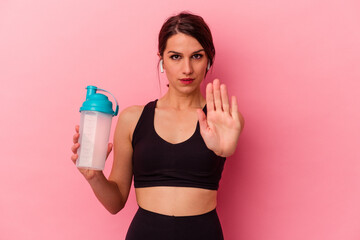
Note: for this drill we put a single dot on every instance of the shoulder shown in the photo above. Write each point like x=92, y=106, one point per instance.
x=131, y=111
x=127, y=121
x=130, y=115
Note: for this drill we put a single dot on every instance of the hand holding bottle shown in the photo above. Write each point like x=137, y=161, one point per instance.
x=87, y=173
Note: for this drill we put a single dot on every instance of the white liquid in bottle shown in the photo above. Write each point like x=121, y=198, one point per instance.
x=95, y=126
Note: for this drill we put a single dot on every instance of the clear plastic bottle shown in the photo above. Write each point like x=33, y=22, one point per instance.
x=95, y=125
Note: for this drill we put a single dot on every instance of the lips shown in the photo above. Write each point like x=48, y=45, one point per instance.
x=186, y=80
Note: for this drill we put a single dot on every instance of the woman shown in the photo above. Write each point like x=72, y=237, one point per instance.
x=174, y=146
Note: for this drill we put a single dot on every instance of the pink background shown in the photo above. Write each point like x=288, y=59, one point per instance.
x=293, y=65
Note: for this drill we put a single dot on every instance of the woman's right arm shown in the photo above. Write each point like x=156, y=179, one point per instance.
x=114, y=191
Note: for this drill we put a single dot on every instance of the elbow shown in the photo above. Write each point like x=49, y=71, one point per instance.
x=114, y=212
x=116, y=209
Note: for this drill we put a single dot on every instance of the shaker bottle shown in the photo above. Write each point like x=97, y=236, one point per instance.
x=95, y=124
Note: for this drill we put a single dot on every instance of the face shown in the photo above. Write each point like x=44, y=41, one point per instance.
x=185, y=62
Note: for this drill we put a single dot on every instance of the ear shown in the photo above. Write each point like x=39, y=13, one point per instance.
x=161, y=61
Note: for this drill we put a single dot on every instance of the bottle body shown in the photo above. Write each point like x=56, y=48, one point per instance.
x=94, y=138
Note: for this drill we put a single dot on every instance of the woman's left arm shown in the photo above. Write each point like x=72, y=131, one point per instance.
x=223, y=124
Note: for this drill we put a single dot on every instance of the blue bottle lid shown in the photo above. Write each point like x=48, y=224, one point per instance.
x=98, y=102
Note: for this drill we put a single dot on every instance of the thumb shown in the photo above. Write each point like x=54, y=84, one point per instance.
x=202, y=120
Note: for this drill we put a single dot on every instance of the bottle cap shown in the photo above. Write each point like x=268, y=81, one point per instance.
x=98, y=102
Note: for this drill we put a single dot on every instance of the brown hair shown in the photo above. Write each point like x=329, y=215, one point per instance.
x=189, y=24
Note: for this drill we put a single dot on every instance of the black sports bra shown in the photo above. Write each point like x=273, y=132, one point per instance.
x=157, y=162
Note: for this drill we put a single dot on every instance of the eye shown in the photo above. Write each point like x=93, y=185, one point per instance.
x=175, y=57
x=197, y=56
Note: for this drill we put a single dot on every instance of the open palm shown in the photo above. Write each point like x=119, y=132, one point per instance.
x=221, y=127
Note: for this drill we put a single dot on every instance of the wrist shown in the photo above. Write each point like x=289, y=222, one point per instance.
x=94, y=176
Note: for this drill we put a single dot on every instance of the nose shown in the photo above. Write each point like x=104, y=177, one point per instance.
x=187, y=67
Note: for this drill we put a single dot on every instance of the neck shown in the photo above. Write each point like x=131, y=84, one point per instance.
x=173, y=99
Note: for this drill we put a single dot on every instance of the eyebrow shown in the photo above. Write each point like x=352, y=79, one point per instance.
x=181, y=53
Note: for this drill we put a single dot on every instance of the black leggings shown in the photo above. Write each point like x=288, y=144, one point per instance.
x=148, y=225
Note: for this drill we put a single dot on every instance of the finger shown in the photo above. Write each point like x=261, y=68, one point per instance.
x=224, y=98
x=234, y=108
x=209, y=97
x=202, y=120
x=217, y=95
x=76, y=137
x=75, y=147
x=77, y=128
x=74, y=158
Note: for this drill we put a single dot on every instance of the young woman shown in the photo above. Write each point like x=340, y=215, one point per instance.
x=175, y=146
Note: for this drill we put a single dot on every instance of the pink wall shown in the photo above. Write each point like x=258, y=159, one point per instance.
x=294, y=66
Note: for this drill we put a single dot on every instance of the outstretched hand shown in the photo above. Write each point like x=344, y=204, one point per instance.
x=221, y=127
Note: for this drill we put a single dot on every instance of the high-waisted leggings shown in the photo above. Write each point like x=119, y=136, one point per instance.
x=147, y=225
